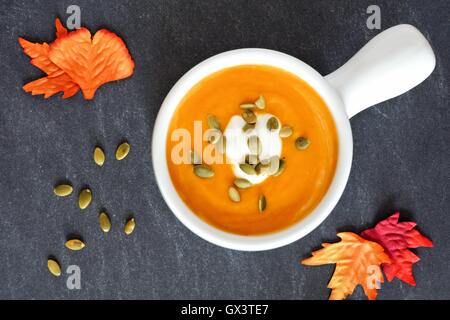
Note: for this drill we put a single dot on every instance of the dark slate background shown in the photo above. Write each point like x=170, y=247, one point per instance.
x=401, y=153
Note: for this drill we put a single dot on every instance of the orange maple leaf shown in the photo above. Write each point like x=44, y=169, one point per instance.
x=357, y=263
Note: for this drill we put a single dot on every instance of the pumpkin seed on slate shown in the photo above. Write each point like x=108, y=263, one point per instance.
x=194, y=157
x=254, y=145
x=203, y=171
x=99, y=156
x=249, y=116
x=260, y=103
x=273, y=124
x=53, y=267
x=63, y=190
x=213, y=123
x=262, y=203
x=242, y=183
x=301, y=143
x=122, y=151
x=75, y=244
x=247, y=127
x=285, y=132
x=213, y=136
x=234, y=195
x=85, y=198
x=247, y=106
x=129, y=226
x=105, y=223
x=247, y=168
x=281, y=168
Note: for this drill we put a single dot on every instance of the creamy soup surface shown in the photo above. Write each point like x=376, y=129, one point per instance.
x=290, y=196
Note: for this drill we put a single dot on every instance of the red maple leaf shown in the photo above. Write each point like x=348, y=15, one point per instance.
x=396, y=238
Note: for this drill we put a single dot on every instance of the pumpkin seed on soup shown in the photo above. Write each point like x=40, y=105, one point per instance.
x=213, y=136
x=53, y=267
x=105, y=223
x=85, y=198
x=301, y=143
x=63, y=190
x=262, y=203
x=260, y=103
x=242, y=183
x=248, y=126
x=74, y=244
x=247, y=168
x=273, y=124
x=249, y=116
x=99, y=156
x=247, y=106
x=285, y=132
x=129, y=226
x=234, y=195
x=122, y=151
x=281, y=168
x=213, y=123
x=203, y=171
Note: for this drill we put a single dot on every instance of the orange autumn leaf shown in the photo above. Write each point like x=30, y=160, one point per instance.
x=92, y=61
x=357, y=263
x=60, y=29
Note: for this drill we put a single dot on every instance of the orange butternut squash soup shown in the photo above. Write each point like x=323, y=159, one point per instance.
x=252, y=149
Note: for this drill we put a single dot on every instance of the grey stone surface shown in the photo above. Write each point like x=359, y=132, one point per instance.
x=401, y=153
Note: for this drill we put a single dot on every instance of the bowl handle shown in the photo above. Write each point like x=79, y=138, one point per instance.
x=390, y=64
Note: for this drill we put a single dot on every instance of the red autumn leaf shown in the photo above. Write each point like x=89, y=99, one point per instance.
x=396, y=238
x=357, y=263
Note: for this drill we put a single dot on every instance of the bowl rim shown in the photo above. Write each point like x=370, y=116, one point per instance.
x=255, y=56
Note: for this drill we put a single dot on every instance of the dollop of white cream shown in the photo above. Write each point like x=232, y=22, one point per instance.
x=237, y=144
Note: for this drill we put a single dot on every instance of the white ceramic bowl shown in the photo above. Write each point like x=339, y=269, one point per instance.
x=390, y=64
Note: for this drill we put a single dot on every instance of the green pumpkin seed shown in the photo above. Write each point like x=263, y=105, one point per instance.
x=105, y=223
x=262, y=203
x=260, y=103
x=247, y=127
x=234, y=195
x=75, y=244
x=286, y=131
x=122, y=151
x=213, y=123
x=301, y=143
x=53, y=267
x=249, y=116
x=247, y=106
x=263, y=168
x=254, y=145
x=242, y=183
x=203, y=171
x=252, y=159
x=85, y=198
x=99, y=156
x=194, y=157
x=247, y=168
x=213, y=136
x=273, y=124
x=63, y=190
x=281, y=168
x=129, y=226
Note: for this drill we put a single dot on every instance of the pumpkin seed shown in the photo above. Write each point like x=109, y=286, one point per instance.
x=105, y=223
x=252, y=159
x=254, y=144
x=262, y=203
x=263, y=168
x=273, y=124
x=260, y=103
x=213, y=123
x=53, y=267
x=285, y=132
x=194, y=157
x=281, y=168
x=75, y=244
x=301, y=143
x=247, y=106
x=213, y=136
x=99, y=156
x=247, y=127
x=274, y=164
x=247, y=168
x=122, y=151
x=63, y=190
x=203, y=171
x=129, y=226
x=85, y=198
x=249, y=116
x=234, y=195
x=242, y=183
